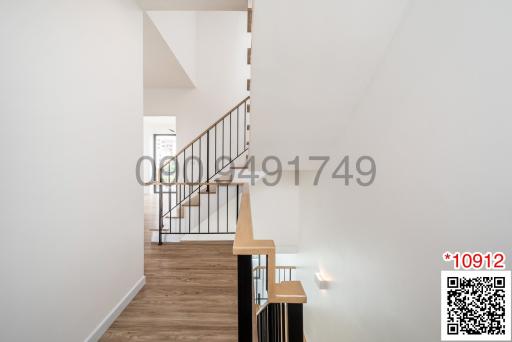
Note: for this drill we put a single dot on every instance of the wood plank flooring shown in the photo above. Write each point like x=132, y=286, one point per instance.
x=190, y=292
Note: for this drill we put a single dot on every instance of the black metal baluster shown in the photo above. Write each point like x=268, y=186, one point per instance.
x=264, y=325
x=180, y=209
x=270, y=323
x=199, y=210
x=266, y=271
x=245, y=125
x=295, y=323
x=230, y=138
x=274, y=322
x=170, y=209
x=275, y=310
x=208, y=194
x=218, y=195
x=160, y=212
x=237, y=194
x=278, y=320
x=207, y=158
x=258, y=324
x=245, y=301
x=208, y=173
x=184, y=165
x=223, y=138
x=267, y=327
x=215, y=160
x=201, y=168
x=189, y=208
x=237, y=129
x=256, y=285
x=227, y=208
x=273, y=330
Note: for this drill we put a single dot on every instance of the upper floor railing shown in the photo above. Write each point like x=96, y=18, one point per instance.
x=279, y=318
x=213, y=210
x=260, y=269
x=184, y=177
x=211, y=151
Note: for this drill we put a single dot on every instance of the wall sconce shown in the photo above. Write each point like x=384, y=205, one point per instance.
x=321, y=282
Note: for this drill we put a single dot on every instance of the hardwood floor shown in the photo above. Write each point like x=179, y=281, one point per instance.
x=190, y=292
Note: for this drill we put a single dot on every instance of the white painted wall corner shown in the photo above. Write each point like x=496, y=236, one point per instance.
x=116, y=311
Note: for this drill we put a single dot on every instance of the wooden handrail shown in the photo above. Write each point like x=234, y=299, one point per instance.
x=277, y=268
x=245, y=244
x=204, y=132
x=157, y=183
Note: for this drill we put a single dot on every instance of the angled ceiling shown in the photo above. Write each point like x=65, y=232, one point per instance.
x=312, y=66
x=193, y=5
x=162, y=69
x=178, y=30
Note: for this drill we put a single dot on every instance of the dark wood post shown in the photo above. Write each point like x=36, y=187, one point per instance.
x=295, y=324
x=244, y=298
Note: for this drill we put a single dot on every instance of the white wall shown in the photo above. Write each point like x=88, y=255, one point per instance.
x=435, y=116
x=275, y=211
x=71, y=219
x=312, y=62
x=220, y=75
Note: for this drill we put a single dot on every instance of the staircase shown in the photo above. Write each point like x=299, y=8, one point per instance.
x=200, y=195
x=197, y=191
x=270, y=302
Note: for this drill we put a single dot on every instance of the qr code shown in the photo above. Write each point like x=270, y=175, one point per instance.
x=475, y=305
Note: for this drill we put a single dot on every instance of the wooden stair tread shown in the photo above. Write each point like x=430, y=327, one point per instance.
x=191, y=202
x=180, y=212
x=212, y=189
x=225, y=178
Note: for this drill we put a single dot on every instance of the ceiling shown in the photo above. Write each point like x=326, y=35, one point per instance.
x=193, y=5
x=312, y=66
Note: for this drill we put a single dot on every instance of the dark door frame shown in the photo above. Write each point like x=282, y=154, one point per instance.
x=155, y=188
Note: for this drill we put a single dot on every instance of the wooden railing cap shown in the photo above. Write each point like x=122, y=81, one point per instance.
x=245, y=244
x=289, y=292
x=204, y=132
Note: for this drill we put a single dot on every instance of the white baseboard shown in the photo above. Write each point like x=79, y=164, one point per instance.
x=116, y=311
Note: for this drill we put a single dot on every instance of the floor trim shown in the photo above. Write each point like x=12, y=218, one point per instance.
x=116, y=311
